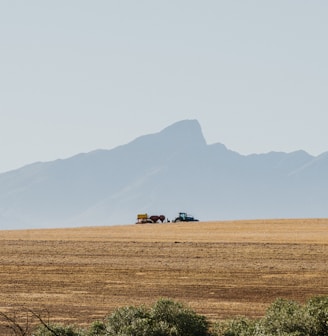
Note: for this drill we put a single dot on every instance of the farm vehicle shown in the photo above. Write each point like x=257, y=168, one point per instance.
x=144, y=219
x=183, y=217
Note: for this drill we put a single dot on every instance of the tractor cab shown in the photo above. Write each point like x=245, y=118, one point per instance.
x=182, y=215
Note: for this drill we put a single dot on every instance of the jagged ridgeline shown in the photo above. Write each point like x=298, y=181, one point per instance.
x=166, y=172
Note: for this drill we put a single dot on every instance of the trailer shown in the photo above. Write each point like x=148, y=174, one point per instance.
x=144, y=218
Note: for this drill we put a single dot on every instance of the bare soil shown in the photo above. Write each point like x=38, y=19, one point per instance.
x=219, y=269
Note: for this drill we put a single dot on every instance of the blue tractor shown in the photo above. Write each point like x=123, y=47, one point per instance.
x=183, y=217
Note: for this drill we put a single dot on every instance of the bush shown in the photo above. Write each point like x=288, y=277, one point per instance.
x=236, y=327
x=129, y=321
x=282, y=318
x=179, y=318
x=317, y=310
x=169, y=318
x=165, y=318
x=57, y=330
x=288, y=317
x=97, y=328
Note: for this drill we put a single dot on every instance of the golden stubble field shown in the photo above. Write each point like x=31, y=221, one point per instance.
x=219, y=269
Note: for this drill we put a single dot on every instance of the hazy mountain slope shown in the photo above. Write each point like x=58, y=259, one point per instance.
x=170, y=171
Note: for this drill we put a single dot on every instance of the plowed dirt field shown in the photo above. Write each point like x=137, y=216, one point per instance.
x=220, y=269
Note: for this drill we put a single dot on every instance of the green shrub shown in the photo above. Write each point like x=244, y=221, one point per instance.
x=282, y=318
x=165, y=318
x=286, y=317
x=236, y=327
x=97, y=328
x=57, y=330
x=317, y=310
x=178, y=318
x=169, y=318
x=128, y=321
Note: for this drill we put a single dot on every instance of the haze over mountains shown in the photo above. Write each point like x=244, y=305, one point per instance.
x=164, y=173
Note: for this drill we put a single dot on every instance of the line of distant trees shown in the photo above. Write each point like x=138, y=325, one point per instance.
x=169, y=318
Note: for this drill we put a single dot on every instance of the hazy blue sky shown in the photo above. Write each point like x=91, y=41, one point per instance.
x=79, y=75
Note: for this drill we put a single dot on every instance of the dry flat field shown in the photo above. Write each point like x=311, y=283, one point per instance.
x=220, y=269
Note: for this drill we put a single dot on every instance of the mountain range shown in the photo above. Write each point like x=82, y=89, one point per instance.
x=164, y=173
